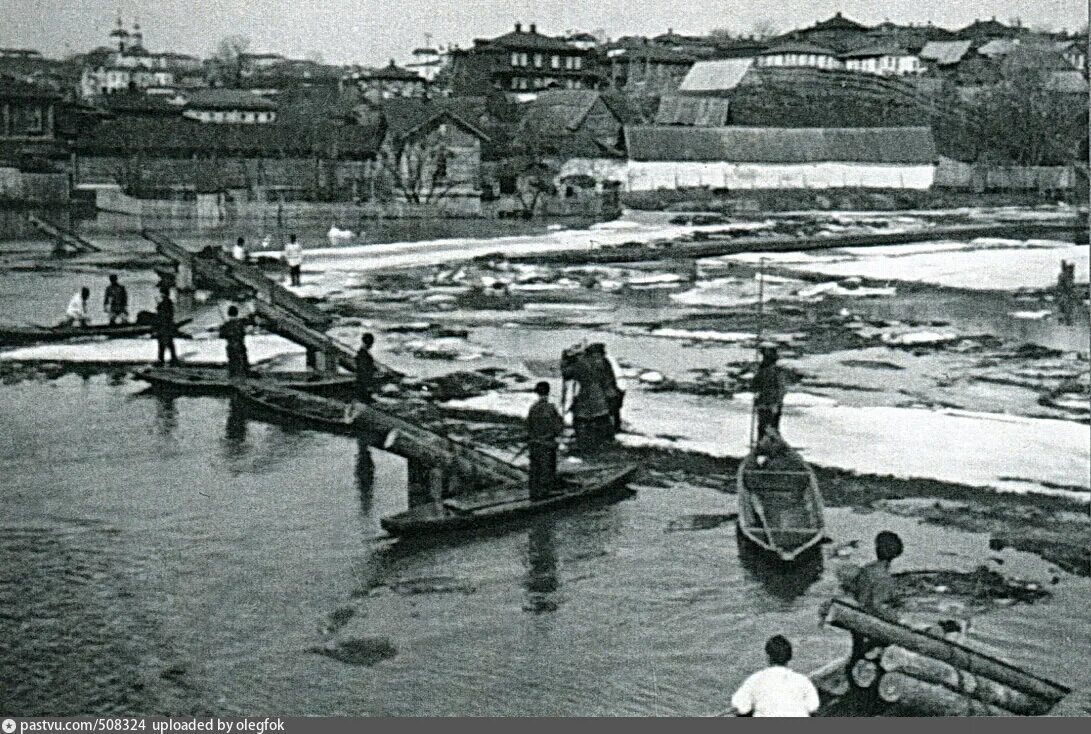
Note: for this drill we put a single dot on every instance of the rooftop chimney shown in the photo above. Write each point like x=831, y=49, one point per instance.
x=518, y=27
x=533, y=28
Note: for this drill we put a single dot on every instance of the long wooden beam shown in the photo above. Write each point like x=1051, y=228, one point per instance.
x=65, y=236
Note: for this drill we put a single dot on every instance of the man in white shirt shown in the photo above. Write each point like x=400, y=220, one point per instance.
x=293, y=255
x=777, y=690
x=77, y=314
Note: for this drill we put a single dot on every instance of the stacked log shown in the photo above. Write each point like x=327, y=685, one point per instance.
x=928, y=675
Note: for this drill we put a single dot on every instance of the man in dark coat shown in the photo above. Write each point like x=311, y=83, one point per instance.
x=116, y=301
x=544, y=427
x=365, y=376
x=608, y=380
x=769, y=390
x=233, y=331
x=164, y=326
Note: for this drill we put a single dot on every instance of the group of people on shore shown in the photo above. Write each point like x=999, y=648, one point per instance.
x=293, y=255
x=115, y=304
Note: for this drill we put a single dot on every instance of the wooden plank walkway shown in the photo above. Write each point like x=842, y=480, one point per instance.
x=64, y=237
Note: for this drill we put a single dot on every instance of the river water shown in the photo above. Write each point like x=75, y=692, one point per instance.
x=175, y=556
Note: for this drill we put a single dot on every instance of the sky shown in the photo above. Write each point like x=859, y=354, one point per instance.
x=371, y=32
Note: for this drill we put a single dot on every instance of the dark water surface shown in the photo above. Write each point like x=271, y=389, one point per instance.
x=173, y=556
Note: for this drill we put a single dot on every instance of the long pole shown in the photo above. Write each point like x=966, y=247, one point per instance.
x=757, y=345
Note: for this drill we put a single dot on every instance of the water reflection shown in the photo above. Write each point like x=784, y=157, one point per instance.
x=783, y=581
x=365, y=475
x=234, y=440
x=166, y=415
x=541, y=581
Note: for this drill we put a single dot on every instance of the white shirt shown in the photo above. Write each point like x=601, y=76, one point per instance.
x=776, y=691
x=293, y=253
x=238, y=253
x=77, y=308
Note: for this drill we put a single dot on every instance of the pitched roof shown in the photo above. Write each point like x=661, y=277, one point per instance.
x=998, y=47
x=838, y=23
x=170, y=136
x=690, y=110
x=798, y=47
x=562, y=111
x=876, y=51
x=520, y=39
x=1067, y=82
x=715, y=76
x=403, y=117
x=781, y=145
x=227, y=99
x=392, y=72
x=11, y=87
x=945, y=52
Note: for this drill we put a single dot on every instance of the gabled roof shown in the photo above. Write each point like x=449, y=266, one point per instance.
x=944, y=53
x=562, y=111
x=798, y=47
x=392, y=72
x=404, y=117
x=526, y=40
x=907, y=145
x=998, y=47
x=838, y=23
x=227, y=99
x=693, y=111
x=715, y=76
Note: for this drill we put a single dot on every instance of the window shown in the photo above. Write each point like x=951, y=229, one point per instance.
x=514, y=58
x=441, y=166
x=555, y=61
x=577, y=62
x=538, y=60
x=515, y=82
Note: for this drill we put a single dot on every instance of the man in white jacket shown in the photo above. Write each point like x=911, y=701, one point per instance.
x=77, y=314
x=776, y=690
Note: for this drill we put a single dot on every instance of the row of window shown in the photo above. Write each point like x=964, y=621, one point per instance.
x=232, y=116
x=556, y=61
x=523, y=83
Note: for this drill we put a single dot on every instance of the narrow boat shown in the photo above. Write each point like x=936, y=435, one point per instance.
x=215, y=380
x=13, y=335
x=508, y=504
x=780, y=506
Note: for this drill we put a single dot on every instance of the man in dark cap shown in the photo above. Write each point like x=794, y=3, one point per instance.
x=233, y=331
x=544, y=427
x=165, y=326
x=365, y=377
x=768, y=387
x=115, y=301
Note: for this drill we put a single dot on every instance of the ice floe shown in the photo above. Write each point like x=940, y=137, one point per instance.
x=260, y=348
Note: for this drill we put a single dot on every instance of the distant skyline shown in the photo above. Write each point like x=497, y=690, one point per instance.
x=371, y=32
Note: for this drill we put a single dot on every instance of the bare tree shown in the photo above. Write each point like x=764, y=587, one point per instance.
x=229, y=53
x=721, y=34
x=417, y=166
x=763, y=29
x=533, y=166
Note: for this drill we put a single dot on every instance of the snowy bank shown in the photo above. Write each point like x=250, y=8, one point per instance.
x=260, y=348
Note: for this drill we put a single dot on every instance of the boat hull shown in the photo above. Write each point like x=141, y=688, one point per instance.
x=603, y=484
x=780, y=510
x=216, y=380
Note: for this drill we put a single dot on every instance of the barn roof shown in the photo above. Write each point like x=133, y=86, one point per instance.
x=781, y=145
x=715, y=76
x=692, y=110
x=945, y=52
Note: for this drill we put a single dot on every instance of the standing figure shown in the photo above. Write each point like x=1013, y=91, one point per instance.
x=233, y=331
x=590, y=411
x=116, y=301
x=875, y=590
x=544, y=427
x=77, y=314
x=164, y=326
x=293, y=255
x=769, y=390
x=608, y=379
x=239, y=251
x=777, y=690
x=365, y=376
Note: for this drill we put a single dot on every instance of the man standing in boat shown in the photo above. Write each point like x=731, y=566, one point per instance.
x=233, y=331
x=365, y=376
x=164, y=326
x=777, y=690
x=544, y=427
x=116, y=301
x=769, y=390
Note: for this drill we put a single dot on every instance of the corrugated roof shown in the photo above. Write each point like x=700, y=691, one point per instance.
x=692, y=111
x=945, y=52
x=911, y=145
x=998, y=47
x=715, y=76
x=166, y=136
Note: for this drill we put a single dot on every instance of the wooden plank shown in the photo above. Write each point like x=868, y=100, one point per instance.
x=856, y=620
x=66, y=236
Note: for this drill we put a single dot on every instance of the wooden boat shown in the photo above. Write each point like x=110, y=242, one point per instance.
x=508, y=504
x=780, y=506
x=12, y=335
x=215, y=380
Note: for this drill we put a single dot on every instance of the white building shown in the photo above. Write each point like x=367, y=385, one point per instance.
x=777, y=158
x=887, y=60
x=237, y=106
x=797, y=53
x=130, y=66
